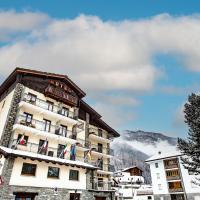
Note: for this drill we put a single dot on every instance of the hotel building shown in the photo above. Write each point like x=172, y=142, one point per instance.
x=53, y=145
x=170, y=180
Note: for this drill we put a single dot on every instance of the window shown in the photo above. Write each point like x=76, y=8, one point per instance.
x=50, y=105
x=158, y=175
x=63, y=130
x=159, y=186
x=28, y=169
x=53, y=172
x=73, y=175
x=100, y=148
x=149, y=197
x=32, y=98
x=28, y=118
x=74, y=196
x=47, y=125
x=100, y=134
x=25, y=140
x=24, y=195
x=156, y=165
x=43, y=147
x=100, y=182
x=64, y=111
x=100, y=163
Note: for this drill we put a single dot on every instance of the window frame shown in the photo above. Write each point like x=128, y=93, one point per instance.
x=28, y=174
x=54, y=177
x=46, y=124
x=71, y=177
x=27, y=115
x=25, y=138
x=50, y=106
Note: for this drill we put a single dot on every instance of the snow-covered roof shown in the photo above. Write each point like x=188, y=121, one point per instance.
x=145, y=190
x=160, y=155
x=27, y=154
x=125, y=169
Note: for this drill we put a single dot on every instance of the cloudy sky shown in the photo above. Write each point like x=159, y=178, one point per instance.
x=137, y=60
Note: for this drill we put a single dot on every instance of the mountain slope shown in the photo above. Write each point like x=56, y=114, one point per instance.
x=134, y=147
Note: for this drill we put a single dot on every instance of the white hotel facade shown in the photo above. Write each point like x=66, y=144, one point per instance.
x=47, y=112
x=170, y=180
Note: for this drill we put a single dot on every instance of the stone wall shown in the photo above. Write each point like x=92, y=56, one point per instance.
x=8, y=129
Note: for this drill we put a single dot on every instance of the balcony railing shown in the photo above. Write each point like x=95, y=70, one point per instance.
x=101, y=134
x=177, y=177
x=52, y=129
x=102, y=150
x=45, y=105
x=37, y=149
x=172, y=190
x=171, y=166
x=102, y=185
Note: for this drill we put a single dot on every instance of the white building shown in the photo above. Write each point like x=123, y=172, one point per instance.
x=53, y=145
x=170, y=179
x=129, y=184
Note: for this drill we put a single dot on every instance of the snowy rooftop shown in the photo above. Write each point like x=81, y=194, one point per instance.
x=128, y=168
x=44, y=157
x=160, y=155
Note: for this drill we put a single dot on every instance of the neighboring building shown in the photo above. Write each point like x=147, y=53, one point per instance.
x=129, y=184
x=170, y=179
x=53, y=145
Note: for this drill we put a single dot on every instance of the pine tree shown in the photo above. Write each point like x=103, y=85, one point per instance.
x=190, y=147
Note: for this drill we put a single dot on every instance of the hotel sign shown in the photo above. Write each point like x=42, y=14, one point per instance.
x=61, y=91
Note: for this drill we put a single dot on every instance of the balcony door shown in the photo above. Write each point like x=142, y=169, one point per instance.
x=28, y=118
x=42, y=148
x=100, y=148
x=60, y=150
x=47, y=125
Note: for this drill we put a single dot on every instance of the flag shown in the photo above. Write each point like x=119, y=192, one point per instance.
x=45, y=145
x=65, y=150
x=22, y=140
x=73, y=152
x=89, y=154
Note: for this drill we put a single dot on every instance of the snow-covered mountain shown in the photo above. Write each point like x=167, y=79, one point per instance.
x=134, y=147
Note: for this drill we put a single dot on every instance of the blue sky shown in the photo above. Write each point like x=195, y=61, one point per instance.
x=137, y=60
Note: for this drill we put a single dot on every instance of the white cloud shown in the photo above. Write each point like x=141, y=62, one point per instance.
x=12, y=22
x=114, y=115
x=100, y=55
x=150, y=149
